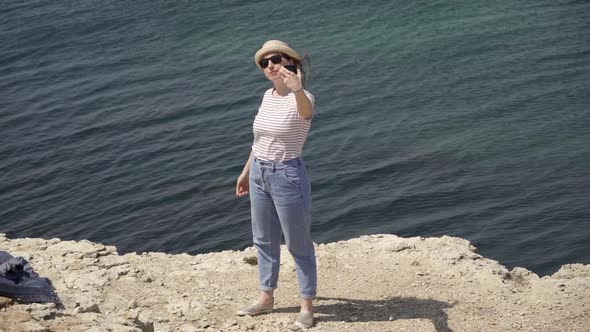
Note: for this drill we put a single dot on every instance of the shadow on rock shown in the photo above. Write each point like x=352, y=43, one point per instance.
x=333, y=309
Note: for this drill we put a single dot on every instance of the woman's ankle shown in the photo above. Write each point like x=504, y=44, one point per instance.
x=266, y=297
x=306, y=305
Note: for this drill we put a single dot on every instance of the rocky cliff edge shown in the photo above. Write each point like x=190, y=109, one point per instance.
x=371, y=283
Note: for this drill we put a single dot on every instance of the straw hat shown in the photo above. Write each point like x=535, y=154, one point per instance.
x=275, y=46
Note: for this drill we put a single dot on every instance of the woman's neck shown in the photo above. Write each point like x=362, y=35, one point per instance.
x=281, y=89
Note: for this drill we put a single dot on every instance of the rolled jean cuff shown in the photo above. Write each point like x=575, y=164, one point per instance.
x=266, y=288
x=308, y=296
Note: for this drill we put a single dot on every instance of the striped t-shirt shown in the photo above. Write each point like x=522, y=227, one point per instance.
x=279, y=130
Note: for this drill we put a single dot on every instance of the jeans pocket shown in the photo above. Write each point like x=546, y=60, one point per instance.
x=255, y=174
x=292, y=175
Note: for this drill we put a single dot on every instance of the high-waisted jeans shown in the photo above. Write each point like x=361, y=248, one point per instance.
x=280, y=198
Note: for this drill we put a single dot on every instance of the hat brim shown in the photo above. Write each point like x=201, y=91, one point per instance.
x=275, y=49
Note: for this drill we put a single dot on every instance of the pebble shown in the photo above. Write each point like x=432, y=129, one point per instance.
x=188, y=328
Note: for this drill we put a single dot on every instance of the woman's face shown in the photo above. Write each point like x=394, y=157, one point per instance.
x=272, y=70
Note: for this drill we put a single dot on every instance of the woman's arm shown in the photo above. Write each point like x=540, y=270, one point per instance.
x=293, y=82
x=243, y=185
x=304, y=105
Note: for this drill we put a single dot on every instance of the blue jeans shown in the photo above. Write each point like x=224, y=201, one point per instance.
x=280, y=198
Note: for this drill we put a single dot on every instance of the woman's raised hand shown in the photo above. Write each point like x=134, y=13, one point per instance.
x=291, y=80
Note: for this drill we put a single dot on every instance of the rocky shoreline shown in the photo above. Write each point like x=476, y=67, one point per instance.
x=371, y=283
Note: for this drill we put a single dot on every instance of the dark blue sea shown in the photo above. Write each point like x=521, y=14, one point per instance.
x=128, y=122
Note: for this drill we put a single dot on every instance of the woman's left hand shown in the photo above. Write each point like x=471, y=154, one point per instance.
x=291, y=80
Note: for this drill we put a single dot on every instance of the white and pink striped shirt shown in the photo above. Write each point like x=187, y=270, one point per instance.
x=279, y=130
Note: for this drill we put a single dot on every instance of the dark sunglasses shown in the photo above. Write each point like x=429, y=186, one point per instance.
x=276, y=59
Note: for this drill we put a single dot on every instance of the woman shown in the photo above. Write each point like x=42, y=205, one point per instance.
x=276, y=180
